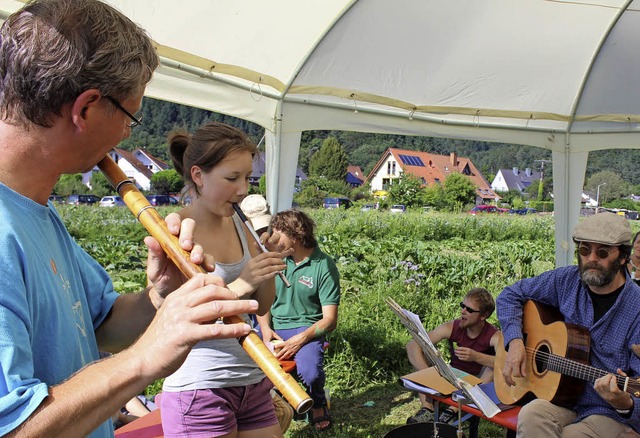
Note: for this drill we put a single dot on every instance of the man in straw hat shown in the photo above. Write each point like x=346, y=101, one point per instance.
x=599, y=295
x=72, y=77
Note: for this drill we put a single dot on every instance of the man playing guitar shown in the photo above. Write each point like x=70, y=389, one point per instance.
x=598, y=295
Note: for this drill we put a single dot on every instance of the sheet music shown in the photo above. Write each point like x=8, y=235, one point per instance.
x=412, y=322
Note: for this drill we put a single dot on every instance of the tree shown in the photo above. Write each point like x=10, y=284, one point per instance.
x=539, y=191
x=624, y=203
x=407, y=190
x=100, y=185
x=518, y=203
x=458, y=191
x=166, y=181
x=330, y=161
x=508, y=197
x=612, y=186
x=70, y=185
x=433, y=196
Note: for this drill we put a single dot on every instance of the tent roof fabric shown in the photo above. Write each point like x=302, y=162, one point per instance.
x=556, y=74
x=528, y=65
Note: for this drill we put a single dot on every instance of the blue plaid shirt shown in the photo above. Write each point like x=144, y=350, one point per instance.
x=611, y=337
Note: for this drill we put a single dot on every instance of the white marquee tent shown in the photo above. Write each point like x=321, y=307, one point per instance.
x=556, y=74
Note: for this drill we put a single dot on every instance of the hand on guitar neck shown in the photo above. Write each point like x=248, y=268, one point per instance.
x=609, y=389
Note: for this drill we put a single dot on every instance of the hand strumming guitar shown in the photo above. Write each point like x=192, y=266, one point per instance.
x=515, y=362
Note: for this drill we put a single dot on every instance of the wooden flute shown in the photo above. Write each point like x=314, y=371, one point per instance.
x=156, y=226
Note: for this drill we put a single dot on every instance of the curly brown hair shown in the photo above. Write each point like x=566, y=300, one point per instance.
x=296, y=225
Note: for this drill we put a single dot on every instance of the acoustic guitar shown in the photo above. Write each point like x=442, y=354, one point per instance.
x=557, y=363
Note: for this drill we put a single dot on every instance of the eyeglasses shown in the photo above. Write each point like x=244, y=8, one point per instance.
x=135, y=121
x=601, y=253
x=467, y=308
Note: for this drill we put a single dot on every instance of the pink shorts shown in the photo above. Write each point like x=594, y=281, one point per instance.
x=216, y=412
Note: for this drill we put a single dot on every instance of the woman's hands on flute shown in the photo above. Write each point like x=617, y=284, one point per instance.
x=260, y=268
x=275, y=242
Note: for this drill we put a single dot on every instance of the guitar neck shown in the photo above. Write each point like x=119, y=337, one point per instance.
x=582, y=371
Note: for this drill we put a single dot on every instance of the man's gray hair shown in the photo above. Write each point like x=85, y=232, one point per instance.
x=51, y=51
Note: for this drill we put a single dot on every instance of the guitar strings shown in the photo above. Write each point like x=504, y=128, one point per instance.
x=573, y=368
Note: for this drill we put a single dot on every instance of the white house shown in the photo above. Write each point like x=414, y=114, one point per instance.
x=514, y=179
x=139, y=166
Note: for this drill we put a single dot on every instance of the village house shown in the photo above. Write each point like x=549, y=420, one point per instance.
x=259, y=166
x=430, y=168
x=355, y=177
x=514, y=179
x=139, y=166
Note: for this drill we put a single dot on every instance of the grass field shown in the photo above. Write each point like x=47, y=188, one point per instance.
x=356, y=417
x=426, y=262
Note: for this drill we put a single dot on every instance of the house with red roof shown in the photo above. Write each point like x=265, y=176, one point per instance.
x=139, y=166
x=355, y=177
x=430, y=168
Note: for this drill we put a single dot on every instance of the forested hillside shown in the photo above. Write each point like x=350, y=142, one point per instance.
x=364, y=149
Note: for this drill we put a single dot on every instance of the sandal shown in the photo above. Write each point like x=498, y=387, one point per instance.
x=326, y=416
x=447, y=415
x=424, y=415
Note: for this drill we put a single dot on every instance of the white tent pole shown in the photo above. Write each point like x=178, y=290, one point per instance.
x=281, y=163
x=272, y=153
x=569, y=169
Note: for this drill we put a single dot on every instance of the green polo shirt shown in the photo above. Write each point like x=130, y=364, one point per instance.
x=315, y=282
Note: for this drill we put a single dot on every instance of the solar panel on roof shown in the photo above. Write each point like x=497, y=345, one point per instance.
x=410, y=160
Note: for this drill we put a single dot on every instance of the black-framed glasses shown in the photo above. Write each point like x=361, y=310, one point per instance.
x=467, y=308
x=135, y=121
x=601, y=252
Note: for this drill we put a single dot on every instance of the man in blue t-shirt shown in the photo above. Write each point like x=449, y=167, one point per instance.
x=72, y=76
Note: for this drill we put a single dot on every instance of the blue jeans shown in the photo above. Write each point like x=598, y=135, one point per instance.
x=309, y=365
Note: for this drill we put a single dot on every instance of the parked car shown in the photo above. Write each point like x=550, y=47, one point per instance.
x=111, y=201
x=56, y=198
x=483, y=209
x=157, y=200
x=398, y=208
x=523, y=211
x=82, y=199
x=368, y=207
x=336, y=203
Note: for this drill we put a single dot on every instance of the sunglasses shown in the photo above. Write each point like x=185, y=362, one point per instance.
x=467, y=308
x=601, y=253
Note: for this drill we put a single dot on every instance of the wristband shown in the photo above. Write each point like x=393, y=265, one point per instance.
x=624, y=412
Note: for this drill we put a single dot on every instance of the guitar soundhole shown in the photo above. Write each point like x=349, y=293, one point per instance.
x=541, y=359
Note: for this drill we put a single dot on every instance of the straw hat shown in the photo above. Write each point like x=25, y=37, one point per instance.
x=256, y=209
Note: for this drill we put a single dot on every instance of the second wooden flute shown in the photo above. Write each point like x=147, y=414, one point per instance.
x=156, y=227
x=253, y=233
